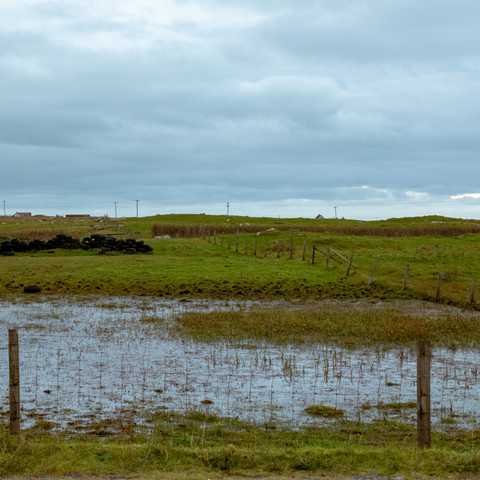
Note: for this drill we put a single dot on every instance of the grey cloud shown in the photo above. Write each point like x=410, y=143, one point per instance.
x=310, y=100
x=376, y=31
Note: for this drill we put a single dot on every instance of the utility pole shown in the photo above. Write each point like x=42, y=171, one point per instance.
x=137, y=202
x=116, y=209
x=228, y=209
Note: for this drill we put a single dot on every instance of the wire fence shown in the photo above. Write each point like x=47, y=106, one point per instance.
x=437, y=285
x=72, y=381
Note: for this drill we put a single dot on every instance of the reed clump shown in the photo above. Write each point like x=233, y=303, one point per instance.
x=200, y=230
x=190, y=230
x=343, y=327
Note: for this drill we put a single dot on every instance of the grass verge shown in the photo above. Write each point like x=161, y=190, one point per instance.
x=211, y=445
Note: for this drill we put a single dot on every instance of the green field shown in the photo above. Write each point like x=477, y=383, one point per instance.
x=430, y=258
x=436, y=251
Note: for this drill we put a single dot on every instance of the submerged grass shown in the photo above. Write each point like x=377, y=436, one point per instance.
x=210, y=445
x=324, y=411
x=343, y=327
x=392, y=406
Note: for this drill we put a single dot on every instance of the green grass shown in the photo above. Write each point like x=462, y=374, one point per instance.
x=324, y=411
x=346, y=327
x=206, y=445
x=194, y=267
x=397, y=406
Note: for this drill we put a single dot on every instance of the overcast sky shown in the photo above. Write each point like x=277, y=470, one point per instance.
x=283, y=107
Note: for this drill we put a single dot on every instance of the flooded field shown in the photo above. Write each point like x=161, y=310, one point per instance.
x=88, y=361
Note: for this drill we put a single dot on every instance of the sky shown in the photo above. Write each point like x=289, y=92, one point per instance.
x=282, y=107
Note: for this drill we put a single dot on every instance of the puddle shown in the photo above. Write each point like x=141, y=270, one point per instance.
x=103, y=359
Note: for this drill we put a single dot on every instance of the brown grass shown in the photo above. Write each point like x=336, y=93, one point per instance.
x=199, y=230
x=404, y=231
x=205, y=230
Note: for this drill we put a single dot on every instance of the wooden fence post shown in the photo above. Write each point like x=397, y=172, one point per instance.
x=438, y=293
x=406, y=276
x=350, y=264
x=372, y=277
x=424, y=365
x=304, y=252
x=14, y=369
x=237, y=242
x=290, y=249
x=314, y=251
x=255, y=247
x=473, y=292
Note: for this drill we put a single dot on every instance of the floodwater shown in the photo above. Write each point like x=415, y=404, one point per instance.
x=93, y=360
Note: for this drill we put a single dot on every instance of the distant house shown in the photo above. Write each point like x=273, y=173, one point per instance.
x=23, y=214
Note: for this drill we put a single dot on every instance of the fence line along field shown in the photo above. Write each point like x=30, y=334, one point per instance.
x=240, y=345
x=428, y=258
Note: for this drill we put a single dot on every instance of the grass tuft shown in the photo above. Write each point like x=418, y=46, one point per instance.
x=324, y=411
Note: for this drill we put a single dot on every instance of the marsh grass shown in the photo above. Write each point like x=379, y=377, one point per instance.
x=324, y=411
x=348, y=328
x=397, y=406
x=153, y=319
x=392, y=406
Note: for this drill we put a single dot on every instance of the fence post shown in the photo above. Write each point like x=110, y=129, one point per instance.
x=327, y=259
x=473, y=291
x=237, y=241
x=350, y=264
x=372, y=277
x=314, y=251
x=14, y=370
x=424, y=365
x=255, y=247
x=304, y=252
x=406, y=276
x=438, y=293
x=290, y=248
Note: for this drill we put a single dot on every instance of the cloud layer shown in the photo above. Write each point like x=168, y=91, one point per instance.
x=281, y=107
